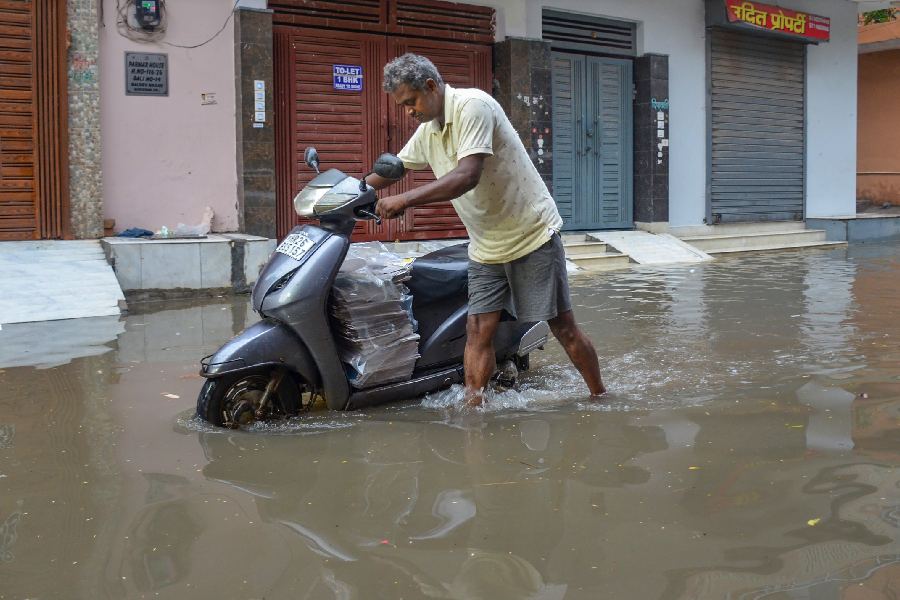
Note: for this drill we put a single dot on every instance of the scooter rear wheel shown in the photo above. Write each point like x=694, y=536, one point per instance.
x=236, y=399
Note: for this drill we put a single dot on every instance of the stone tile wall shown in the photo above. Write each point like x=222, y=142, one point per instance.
x=651, y=152
x=522, y=86
x=85, y=172
x=256, y=145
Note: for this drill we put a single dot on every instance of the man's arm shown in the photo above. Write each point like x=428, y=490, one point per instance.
x=454, y=184
x=378, y=182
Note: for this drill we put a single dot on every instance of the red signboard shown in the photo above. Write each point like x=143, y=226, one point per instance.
x=777, y=19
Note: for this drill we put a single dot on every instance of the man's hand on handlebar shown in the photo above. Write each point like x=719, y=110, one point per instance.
x=391, y=207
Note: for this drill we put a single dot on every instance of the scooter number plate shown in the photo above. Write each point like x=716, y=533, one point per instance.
x=295, y=245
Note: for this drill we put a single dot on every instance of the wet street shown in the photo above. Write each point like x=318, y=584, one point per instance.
x=748, y=450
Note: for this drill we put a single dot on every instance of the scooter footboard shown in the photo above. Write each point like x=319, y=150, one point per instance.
x=265, y=343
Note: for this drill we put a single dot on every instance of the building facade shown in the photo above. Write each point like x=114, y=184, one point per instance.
x=647, y=113
x=878, y=179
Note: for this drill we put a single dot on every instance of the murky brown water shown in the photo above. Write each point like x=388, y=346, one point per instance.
x=749, y=451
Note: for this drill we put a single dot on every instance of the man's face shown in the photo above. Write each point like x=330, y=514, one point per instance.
x=422, y=105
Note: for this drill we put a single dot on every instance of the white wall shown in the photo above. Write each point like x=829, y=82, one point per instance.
x=677, y=28
x=166, y=158
x=831, y=112
x=672, y=27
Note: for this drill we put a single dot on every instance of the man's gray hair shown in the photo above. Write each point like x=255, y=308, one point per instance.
x=413, y=70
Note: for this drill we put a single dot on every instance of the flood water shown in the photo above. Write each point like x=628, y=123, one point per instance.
x=748, y=450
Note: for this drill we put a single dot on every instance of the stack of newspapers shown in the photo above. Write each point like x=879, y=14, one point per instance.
x=372, y=310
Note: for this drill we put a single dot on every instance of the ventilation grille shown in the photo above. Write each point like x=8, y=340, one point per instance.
x=330, y=12
x=585, y=33
x=433, y=19
x=445, y=19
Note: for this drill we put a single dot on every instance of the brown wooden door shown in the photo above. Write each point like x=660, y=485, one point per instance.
x=18, y=206
x=32, y=114
x=346, y=127
x=461, y=65
x=350, y=129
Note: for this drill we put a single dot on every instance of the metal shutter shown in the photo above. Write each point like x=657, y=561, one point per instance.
x=757, y=128
x=33, y=182
x=18, y=208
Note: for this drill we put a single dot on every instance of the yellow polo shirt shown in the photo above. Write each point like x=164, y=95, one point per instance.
x=510, y=213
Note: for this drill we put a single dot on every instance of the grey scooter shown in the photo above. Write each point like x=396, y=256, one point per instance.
x=278, y=366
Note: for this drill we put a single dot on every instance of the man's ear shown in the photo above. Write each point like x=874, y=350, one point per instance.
x=432, y=85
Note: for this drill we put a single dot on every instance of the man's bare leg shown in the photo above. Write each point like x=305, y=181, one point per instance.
x=479, y=361
x=580, y=350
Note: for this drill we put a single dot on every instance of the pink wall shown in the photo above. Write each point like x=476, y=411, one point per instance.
x=166, y=158
x=878, y=178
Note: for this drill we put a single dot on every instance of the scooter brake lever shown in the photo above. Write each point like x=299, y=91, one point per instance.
x=367, y=213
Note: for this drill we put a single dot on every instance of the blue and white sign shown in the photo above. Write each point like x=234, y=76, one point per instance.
x=348, y=78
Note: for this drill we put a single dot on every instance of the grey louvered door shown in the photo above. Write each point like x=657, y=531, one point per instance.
x=592, y=141
x=758, y=133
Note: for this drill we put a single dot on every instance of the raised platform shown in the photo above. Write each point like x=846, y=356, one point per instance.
x=162, y=269
x=863, y=227
x=56, y=279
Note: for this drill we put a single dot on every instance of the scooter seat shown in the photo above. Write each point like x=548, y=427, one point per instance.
x=441, y=274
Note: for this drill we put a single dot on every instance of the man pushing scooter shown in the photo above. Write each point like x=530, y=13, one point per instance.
x=516, y=257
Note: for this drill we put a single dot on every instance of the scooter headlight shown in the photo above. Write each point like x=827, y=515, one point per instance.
x=333, y=200
x=305, y=201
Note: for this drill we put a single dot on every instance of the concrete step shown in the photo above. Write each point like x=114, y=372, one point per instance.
x=52, y=280
x=736, y=228
x=46, y=257
x=788, y=246
x=769, y=239
x=70, y=312
x=582, y=248
x=601, y=261
x=574, y=238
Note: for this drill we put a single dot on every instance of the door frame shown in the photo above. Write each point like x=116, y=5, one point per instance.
x=627, y=164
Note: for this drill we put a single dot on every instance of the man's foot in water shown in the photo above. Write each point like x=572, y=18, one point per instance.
x=603, y=395
x=474, y=398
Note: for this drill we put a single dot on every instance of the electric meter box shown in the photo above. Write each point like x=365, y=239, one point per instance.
x=147, y=13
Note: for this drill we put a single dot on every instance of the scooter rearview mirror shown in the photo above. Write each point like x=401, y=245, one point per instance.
x=312, y=158
x=389, y=166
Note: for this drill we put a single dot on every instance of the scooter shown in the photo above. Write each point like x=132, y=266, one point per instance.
x=279, y=366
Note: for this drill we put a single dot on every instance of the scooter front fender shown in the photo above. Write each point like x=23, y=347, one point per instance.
x=265, y=343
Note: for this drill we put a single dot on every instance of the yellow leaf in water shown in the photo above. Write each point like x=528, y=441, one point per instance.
x=693, y=468
x=813, y=522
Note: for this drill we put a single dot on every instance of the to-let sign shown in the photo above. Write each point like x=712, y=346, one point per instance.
x=781, y=20
x=348, y=78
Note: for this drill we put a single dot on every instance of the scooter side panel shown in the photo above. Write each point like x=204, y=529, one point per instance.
x=280, y=265
x=301, y=304
x=264, y=343
x=448, y=342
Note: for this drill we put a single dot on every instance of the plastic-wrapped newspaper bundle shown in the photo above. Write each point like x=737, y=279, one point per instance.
x=372, y=309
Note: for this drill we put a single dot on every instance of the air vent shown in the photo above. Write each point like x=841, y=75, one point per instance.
x=586, y=33
x=330, y=11
x=447, y=19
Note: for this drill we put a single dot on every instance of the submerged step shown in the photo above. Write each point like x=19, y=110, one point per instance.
x=714, y=243
x=601, y=261
x=773, y=248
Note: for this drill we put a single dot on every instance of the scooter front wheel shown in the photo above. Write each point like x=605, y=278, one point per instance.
x=239, y=399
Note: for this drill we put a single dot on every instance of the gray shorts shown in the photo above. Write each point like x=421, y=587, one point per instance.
x=532, y=288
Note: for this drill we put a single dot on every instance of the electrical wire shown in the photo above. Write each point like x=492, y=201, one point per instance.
x=138, y=34
x=215, y=35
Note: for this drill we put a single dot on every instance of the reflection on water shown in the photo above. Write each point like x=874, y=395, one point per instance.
x=749, y=449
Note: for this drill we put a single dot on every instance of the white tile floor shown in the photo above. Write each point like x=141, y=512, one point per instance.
x=56, y=279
